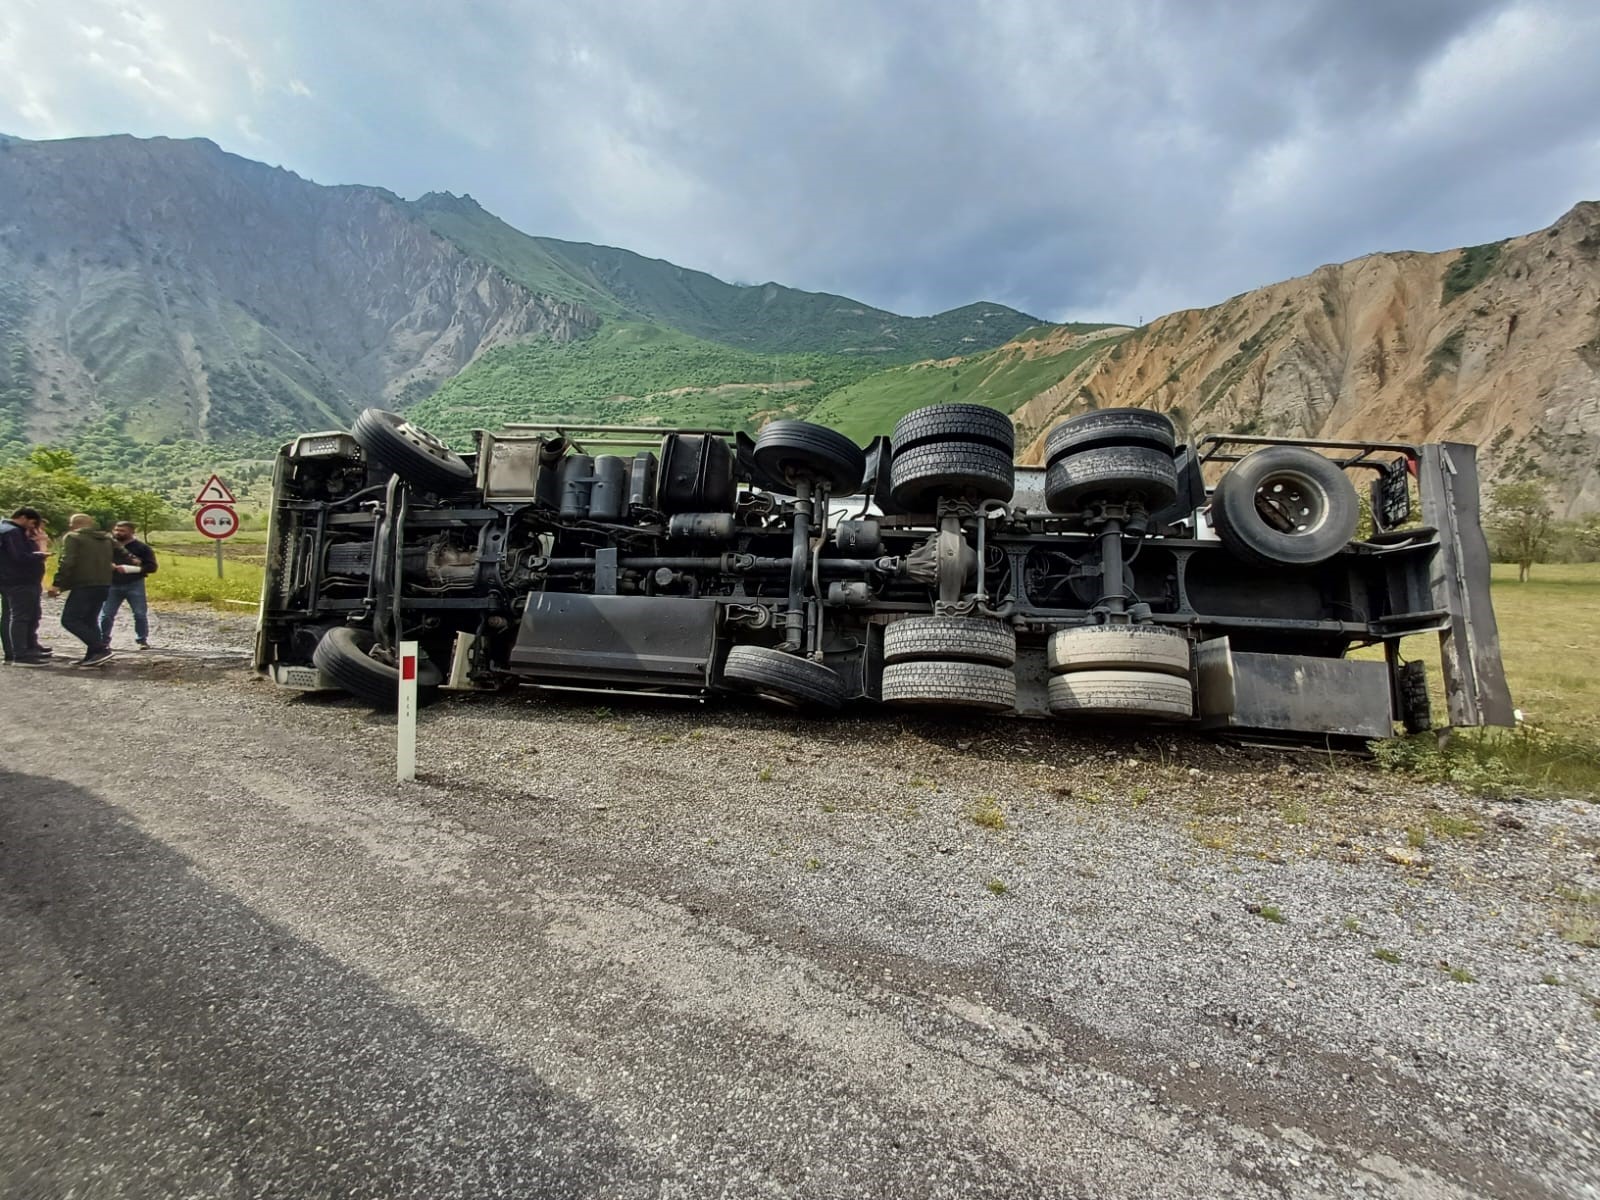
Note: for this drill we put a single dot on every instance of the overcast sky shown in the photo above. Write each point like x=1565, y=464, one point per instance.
x=1094, y=160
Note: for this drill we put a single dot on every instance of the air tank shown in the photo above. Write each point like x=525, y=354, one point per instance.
x=575, y=481
x=609, y=498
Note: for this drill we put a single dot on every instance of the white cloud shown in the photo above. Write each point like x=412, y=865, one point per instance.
x=1117, y=160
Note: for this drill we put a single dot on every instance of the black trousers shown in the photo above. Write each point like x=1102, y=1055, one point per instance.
x=19, y=619
x=80, y=616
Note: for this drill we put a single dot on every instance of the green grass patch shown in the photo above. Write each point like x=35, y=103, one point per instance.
x=1548, y=627
x=987, y=813
x=1383, y=954
x=1469, y=268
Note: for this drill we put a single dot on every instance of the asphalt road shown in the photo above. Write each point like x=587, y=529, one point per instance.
x=237, y=960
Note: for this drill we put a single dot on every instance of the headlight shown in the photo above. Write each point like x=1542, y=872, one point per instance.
x=324, y=445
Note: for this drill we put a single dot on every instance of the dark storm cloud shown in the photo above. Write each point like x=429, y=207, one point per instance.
x=1070, y=159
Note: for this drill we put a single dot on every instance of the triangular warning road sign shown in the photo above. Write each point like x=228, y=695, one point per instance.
x=215, y=492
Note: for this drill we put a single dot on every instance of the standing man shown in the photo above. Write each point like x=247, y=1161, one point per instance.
x=133, y=561
x=84, y=573
x=21, y=574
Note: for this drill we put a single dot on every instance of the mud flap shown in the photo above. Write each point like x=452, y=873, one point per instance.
x=1474, y=678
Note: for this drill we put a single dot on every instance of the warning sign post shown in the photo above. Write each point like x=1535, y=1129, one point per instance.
x=215, y=517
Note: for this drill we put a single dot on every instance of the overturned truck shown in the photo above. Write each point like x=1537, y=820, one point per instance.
x=1136, y=576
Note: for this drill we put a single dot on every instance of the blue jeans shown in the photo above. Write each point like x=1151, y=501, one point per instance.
x=133, y=594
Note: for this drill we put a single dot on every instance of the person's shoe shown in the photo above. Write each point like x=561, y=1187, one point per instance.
x=42, y=651
x=95, y=657
x=29, y=660
x=143, y=645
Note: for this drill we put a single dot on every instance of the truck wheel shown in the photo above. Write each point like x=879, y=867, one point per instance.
x=1285, y=506
x=963, y=639
x=1121, y=694
x=918, y=477
x=950, y=685
x=788, y=450
x=414, y=454
x=344, y=656
x=1116, y=473
x=1110, y=427
x=955, y=423
x=1118, y=647
x=785, y=679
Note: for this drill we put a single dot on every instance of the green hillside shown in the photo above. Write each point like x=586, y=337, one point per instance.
x=1003, y=379
x=767, y=318
x=634, y=373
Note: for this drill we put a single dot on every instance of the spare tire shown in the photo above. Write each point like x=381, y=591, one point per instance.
x=411, y=452
x=1114, y=473
x=918, y=477
x=955, y=423
x=792, y=450
x=1285, y=506
x=344, y=655
x=1110, y=427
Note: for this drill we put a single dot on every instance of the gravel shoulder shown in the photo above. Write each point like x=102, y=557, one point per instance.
x=629, y=948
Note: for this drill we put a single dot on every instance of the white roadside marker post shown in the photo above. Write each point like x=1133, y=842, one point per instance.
x=406, y=713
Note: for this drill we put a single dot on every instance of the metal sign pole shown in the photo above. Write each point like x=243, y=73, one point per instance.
x=406, y=714
x=218, y=545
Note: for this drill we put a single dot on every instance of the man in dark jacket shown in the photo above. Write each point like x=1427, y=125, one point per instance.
x=21, y=573
x=84, y=573
x=133, y=563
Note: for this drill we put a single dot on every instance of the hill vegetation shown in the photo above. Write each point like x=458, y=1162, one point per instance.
x=766, y=318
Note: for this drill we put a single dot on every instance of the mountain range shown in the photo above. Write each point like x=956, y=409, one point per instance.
x=165, y=291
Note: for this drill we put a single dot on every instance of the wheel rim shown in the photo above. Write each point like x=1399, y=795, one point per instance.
x=423, y=440
x=1292, y=503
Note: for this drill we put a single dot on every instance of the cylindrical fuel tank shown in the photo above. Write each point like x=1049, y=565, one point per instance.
x=609, y=498
x=575, y=481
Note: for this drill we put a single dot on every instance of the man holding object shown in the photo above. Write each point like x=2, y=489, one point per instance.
x=21, y=574
x=84, y=573
x=132, y=562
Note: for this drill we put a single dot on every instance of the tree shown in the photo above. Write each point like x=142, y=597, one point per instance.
x=1519, y=520
x=147, y=511
x=1588, y=533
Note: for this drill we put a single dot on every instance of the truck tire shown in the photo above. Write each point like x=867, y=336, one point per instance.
x=1285, y=506
x=976, y=686
x=961, y=639
x=1115, y=473
x=785, y=679
x=918, y=477
x=788, y=450
x=414, y=454
x=1110, y=427
x=344, y=655
x=1121, y=694
x=1117, y=648
x=955, y=423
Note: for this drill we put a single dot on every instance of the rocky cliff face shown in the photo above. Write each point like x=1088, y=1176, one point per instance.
x=1497, y=345
x=202, y=294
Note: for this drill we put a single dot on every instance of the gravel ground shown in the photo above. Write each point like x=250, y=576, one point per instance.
x=628, y=948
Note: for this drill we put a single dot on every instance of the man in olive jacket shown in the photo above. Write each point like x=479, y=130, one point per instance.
x=84, y=573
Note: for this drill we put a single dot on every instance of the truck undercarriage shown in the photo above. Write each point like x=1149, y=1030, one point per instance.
x=1219, y=582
